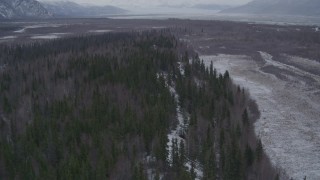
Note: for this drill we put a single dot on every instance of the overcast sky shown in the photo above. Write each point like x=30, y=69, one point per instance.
x=155, y=2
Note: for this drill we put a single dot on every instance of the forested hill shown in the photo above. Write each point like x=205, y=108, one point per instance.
x=101, y=107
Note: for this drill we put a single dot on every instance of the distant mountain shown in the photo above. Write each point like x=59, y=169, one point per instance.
x=279, y=7
x=71, y=9
x=212, y=6
x=22, y=9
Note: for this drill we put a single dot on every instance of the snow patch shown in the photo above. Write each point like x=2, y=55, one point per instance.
x=100, y=31
x=67, y=33
x=158, y=27
x=183, y=121
x=184, y=40
x=181, y=68
x=151, y=172
x=37, y=26
x=8, y=37
x=20, y=30
x=49, y=36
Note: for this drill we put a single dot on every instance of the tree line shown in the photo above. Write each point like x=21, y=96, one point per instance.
x=93, y=108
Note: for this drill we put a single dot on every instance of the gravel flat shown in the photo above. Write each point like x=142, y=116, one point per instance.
x=289, y=102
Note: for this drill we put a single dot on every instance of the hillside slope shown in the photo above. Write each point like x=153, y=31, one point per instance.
x=22, y=9
x=279, y=7
x=71, y=9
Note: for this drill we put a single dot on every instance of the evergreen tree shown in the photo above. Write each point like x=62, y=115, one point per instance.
x=259, y=150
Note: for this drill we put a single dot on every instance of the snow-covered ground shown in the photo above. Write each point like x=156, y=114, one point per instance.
x=8, y=37
x=48, y=36
x=182, y=126
x=303, y=62
x=22, y=30
x=100, y=31
x=289, y=125
x=158, y=27
x=65, y=33
x=183, y=120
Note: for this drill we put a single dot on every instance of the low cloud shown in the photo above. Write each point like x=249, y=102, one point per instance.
x=146, y=3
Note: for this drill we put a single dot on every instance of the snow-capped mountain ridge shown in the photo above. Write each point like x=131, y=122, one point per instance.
x=22, y=9
x=71, y=9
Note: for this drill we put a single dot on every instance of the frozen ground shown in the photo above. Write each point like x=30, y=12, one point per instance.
x=289, y=101
x=287, y=94
x=48, y=36
x=7, y=37
x=183, y=120
x=22, y=30
x=181, y=127
x=100, y=31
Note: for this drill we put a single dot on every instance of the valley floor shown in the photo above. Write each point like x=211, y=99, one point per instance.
x=286, y=91
x=289, y=124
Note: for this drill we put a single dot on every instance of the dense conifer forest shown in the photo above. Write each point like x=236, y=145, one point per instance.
x=95, y=107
